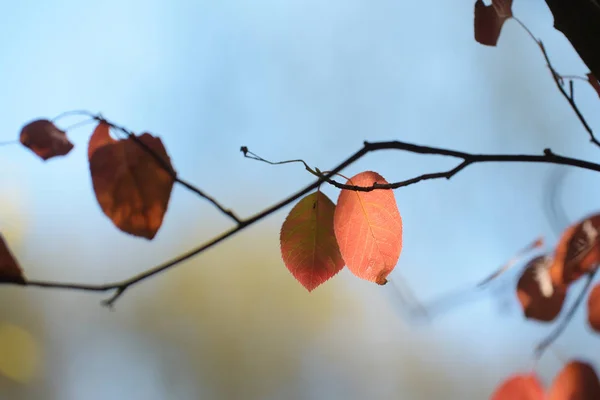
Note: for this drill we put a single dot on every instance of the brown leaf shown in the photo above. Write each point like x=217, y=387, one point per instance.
x=540, y=299
x=9, y=269
x=45, y=139
x=576, y=381
x=594, y=82
x=132, y=188
x=577, y=252
x=594, y=308
x=489, y=20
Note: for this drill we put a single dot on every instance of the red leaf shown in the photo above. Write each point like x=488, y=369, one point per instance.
x=45, y=139
x=489, y=20
x=308, y=245
x=540, y=298
x=577, y=252
x=594, y=308
x=132, y=188
x=368, y=228
x=9, y=269
x=576, y=381
x=594, y=82
x=520, y=387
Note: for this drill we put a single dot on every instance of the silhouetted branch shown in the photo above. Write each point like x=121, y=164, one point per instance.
x=467, y=159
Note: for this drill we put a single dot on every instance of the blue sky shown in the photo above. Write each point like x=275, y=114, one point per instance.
x=297, y=79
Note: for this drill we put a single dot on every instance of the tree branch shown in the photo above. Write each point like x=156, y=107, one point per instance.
x=579, y=21
x=120, y=287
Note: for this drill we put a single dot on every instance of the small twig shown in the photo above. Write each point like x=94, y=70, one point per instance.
x=9, y=142
x=544, y=344
x=558, y=79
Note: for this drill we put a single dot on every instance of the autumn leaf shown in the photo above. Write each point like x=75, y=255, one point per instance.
x=594, y=82
x=577, y=252
x=489, y=20
x=539, y=298
x=9, y=269
x=45, y=139
x=132, y=188
x=519, y=387
x=576, y=381
x=308, y=245
x=593, y=305
x=368, y=228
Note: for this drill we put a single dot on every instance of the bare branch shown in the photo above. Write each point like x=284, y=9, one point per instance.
x=467, y=159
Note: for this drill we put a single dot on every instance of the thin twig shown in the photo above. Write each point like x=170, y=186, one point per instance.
x=467, y=159
x=544, y=344
x=558, y=79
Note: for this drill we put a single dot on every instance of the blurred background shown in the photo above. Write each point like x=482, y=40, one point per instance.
x=289, y=79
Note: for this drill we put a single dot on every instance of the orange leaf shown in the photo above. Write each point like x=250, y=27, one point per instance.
x=540, y=299
x=576, y=381
x=368, y=228
x=594, y=82
x=9, y=269
x=489, y=20
x=45, y=139
x=132, y=188
x=308, y=245
x=594, y=308
x=519, y=387
x=577, y=252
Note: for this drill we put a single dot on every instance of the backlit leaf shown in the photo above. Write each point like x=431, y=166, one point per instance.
x=9, y=269
x=593, y=310
x=519, y=387
x=308, y=245
x=576, y=381
x=132, y=188
x=539, y=297
x=577, y=252
x=45, y=139
x=368, y=228
x=489, y=20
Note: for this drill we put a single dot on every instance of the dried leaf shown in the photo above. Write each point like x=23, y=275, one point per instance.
x=519, y=387
x=45, y=139
x=308, y=245
x=368, y=228
x=132, y=188
x=577, y=252
x=539, y=297
x=9, y=269
x=594, y=82
x=489, y=20
x=576, y=381
x=594, y=308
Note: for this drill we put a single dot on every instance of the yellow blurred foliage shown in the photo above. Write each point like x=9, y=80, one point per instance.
x=19, y=353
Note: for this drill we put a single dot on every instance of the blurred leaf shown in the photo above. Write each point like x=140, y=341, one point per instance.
x=45, y=139
x=539, y=298
x=593, y=310
x=577, y=252
x=519, y=387
x=576, y=381
x=489, y=20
